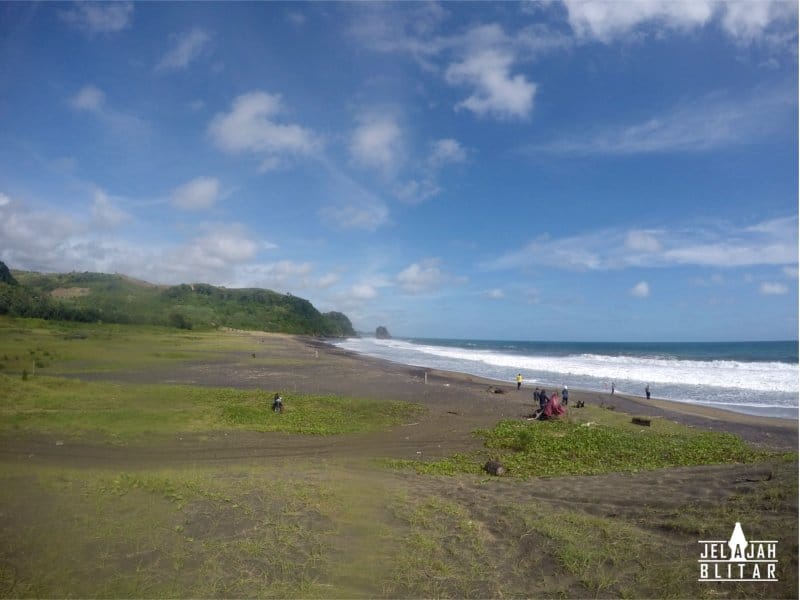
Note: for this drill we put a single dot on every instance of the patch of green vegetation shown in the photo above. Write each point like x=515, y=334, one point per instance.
x=50, y=347
x=98, y=297
x=442, y=554
x=607, y=443
x=132, y=412
x=166, y=533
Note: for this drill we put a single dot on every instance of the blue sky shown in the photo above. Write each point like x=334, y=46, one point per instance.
x=559, y=170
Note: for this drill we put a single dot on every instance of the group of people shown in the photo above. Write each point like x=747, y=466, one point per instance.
x=552, y=405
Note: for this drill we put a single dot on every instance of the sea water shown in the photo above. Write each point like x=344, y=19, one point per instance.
x=758, y=378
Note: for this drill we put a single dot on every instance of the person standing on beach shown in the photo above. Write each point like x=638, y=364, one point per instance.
x=612, y=388
x=647, y=391
x=519, y=380
x=565, y=396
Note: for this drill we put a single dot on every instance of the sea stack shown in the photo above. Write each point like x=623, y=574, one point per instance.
x=382, y=333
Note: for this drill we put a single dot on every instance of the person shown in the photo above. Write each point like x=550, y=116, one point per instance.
x=647, y=391
x=519, y=380
x=277, y=403
x=553, y=408
x=612, y=388
x=565, y=396
x=542, y=398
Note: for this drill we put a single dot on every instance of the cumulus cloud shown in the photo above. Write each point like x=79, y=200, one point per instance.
x=640, y=290
x=89, y=98
x=105, y=212
x=363, y=291
x=772, y=242
x=252, y=125
x=98, y=17
x=200, y=193
x=446, y=151
x=606, y=21
x=186, y=47
x=498, y=92
x=744, y=21
x=425, y=276
x=377, y=142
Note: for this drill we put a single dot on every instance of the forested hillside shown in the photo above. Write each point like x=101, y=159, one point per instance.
x=92, y=297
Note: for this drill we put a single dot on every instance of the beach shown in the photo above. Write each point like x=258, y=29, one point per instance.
x=489, y=536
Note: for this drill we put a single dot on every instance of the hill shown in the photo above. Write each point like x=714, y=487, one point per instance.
x=91, y=297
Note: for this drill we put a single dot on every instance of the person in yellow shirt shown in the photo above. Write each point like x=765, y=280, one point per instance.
x=519, y=380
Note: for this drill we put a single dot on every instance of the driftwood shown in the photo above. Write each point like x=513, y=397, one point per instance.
x=494, y=467
x=495, y=390
x=640, y=421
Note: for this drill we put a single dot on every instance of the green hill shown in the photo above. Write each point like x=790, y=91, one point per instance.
x=92, y=297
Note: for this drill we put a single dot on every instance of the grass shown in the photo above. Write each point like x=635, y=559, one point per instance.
x=599, y=441
x=165, y=534
x=133, y=412
x=301, y=529
x=60, y=348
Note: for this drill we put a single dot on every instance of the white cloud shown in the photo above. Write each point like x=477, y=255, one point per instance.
x=88, y=98
x=425, y=276
x=367, y=215
x=200, y=193
x=377, y=142
x=92, y=100
x=280, y=275
x=5, y=200
x=772, y=289
x=496, y=294
x=327, y=280
x=498, y=93
x=37, y=239
x=105, y=213
x=744, y=21
x=220, y=247
x=771, y=242
x=362, y=291
x=642, y=241
x=640, y=290
x=446, y=151
x=416, y=192
x=790, y=272
x=187, y=47
x=705, y=124
x=606, y=21
x=252, y=126
x=99, y=17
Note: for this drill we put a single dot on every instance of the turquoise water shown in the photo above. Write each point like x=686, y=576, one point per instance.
x=758, y=378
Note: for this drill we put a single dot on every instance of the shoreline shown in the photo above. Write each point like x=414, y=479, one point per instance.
x=760, y=430
x=689, y=406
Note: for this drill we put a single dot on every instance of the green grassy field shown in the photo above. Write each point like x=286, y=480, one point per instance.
x=347, y=526
x=594, y=441
x=130, y=413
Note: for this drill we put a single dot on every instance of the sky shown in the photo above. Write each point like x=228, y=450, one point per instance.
x=598, y=171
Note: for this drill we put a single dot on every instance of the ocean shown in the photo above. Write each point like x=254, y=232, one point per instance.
x=757, y=378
